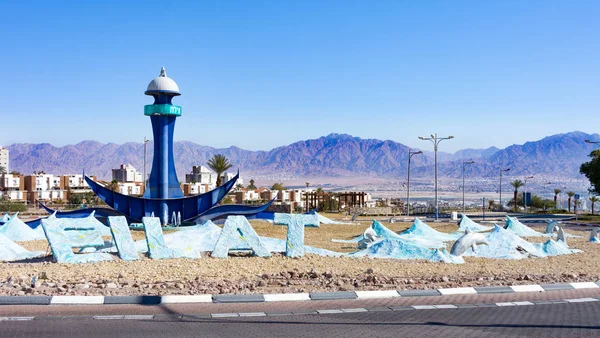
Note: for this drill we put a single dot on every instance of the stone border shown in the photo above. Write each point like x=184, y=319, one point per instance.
x=286, y=297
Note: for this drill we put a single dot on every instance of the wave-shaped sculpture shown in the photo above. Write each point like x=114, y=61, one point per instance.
x=222, y=211
x=137, y=207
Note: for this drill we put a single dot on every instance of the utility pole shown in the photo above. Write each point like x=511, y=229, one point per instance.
x=463, y=187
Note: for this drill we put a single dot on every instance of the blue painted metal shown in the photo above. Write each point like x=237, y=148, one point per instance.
x=222, y=211
x=138, y=207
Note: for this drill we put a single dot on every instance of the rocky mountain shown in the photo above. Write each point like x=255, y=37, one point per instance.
x=331, y=155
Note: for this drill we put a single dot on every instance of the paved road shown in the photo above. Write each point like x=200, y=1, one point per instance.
x=554, y=320
x=541, y=314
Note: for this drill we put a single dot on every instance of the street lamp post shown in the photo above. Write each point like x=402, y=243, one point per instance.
x=463, y=178
x=501, y=171
x=410, y=155
x=436, y=141
x=525, y=193
x=307, y=209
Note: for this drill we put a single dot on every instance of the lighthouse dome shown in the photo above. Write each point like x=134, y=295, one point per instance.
x=163, y=84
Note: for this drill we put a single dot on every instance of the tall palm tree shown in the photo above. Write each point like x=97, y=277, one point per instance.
x=516, y=184
x=570, y=194
x=2, y=170
x=594, y=199
x=219, y=164
x=251, y=185
x=556, y=192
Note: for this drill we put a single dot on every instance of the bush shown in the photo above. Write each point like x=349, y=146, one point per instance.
x=13, y=207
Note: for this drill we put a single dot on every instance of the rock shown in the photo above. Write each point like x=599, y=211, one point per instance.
x=111, y=285
x=445, y=279
x=369, y=271
x=43, y=275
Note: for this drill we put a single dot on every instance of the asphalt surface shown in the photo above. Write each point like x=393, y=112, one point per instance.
x=554, y=320
x=541, y=314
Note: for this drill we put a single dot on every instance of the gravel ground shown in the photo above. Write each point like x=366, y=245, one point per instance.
x=244, y=275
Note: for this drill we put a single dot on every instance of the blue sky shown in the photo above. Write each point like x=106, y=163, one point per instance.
x=260, y=74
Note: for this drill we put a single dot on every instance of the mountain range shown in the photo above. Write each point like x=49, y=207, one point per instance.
x=336, y=155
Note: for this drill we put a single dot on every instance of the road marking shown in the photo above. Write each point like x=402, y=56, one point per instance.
x=329, y=311
x=252, y=314
x=224, y=315
x=523, y=303
x=355, y=310
x=581, y=300
x=108, y=317
x=138, y=317
x=445, y=306
x=423, y=307
x=506, y=304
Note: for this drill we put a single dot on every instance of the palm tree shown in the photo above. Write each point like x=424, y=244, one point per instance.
x=2, y=170
x=516, y=184
x=219, y=164
x=556, y=192
x=251, y=185
x=114, y=185
x=570, y=194
x=594, y=199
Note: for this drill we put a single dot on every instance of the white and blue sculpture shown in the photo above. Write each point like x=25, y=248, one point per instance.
x=294, y=246
x=236, y=228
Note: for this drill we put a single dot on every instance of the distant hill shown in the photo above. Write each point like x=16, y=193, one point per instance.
x=331, y=155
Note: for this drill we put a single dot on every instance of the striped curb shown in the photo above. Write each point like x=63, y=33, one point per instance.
x=313, y=296
x=228, y=315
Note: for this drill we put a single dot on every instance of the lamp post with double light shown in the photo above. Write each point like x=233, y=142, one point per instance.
x=436, y=141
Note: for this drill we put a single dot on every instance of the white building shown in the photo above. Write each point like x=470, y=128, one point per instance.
x=202, y=175
x=130, y=188
x=126, y=173
x=75, y=181
x=10, y=182
x=4, y=159
x=229, y=176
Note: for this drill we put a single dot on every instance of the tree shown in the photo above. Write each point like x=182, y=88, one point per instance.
x=2, y=170
x=278, y=186
x=491, y=204
x=239, y=187
x=16, y=173
x=114, y=186
x=570, y=194
x=591, y=170
x=594, y=199
x=219, y=164
x=516, y=184
x=251, y=185
x=76, y=199
x=556, y=192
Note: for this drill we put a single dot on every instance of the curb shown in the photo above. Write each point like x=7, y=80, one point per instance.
x=260, y=298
